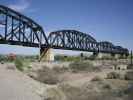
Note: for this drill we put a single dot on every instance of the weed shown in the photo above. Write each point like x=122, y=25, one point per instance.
x=19, y=64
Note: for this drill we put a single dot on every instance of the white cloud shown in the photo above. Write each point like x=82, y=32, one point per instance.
x=2, y=26
x=20, y=5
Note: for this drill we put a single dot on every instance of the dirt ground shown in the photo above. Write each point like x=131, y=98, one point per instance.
x=16, y=85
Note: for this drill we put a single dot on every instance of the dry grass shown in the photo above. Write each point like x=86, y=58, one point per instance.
x=96, y=78
x=19, y=64
x=113, y=75
x=83, y=67
x=94, y=91
x=72, y=93
x=54, y=94
x=60, y=69
x=47, y=76
x=129, y=75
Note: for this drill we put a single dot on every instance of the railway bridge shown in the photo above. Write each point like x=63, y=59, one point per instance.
x=17, y=29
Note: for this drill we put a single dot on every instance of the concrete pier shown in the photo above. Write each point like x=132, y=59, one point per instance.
x=46, y=55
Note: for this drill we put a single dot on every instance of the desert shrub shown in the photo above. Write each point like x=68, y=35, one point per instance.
x=60, y=69
x=129, y=75
x=113, y=75
x=103, y=90
x=129, y=90
x=92, y=57
x=83, y=66
x=47, y=75
x=104, y=58
x=2, y=58
x=78, y=93
x=96, y=78
x=107, y=86
x=73, y=93
x=54, y=94
x=130, y=66
x=19, y=64
x=66, y=58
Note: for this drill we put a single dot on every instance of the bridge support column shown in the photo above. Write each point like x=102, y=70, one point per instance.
x=46, y=54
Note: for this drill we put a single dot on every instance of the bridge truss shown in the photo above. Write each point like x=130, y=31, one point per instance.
x=17, y=29
x=75, y=40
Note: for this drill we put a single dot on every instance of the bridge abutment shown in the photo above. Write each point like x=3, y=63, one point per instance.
x=46, y=54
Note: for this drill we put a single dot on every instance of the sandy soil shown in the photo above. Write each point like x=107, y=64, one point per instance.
x=14, y=85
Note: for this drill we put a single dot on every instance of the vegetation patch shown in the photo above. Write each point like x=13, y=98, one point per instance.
x=73, y=93
x=83, y=66
x=113, y=75
x=96, y=78
x=47, y=76
x=54, y=94
x=107, y=86
x=22, y=64
x=60, y=69
x=129, y=75
x=93, y=91
x=19, y=64
x=67, y=58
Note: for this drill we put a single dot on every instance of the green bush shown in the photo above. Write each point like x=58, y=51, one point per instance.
x=113, y=75
x=19, y=64
x=83, y=66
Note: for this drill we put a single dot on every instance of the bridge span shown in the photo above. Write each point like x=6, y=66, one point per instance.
x=17, y=29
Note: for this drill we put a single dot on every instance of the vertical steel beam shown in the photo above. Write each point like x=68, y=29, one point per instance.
x=31, y=35
x=19, y=29
x=23, y=30
x=12, y=23
x=6, y=18
x=63, y=39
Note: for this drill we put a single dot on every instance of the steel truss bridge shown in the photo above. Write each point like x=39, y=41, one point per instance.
x=17, y=29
